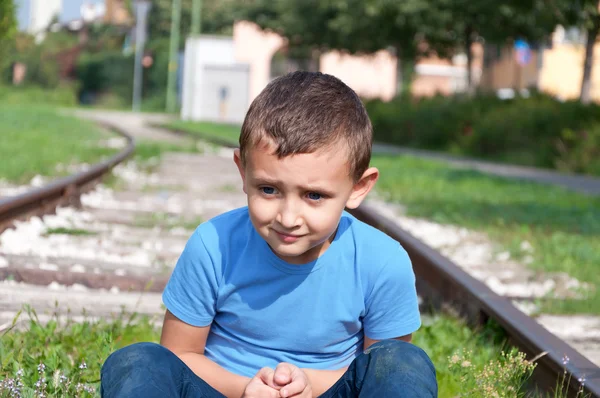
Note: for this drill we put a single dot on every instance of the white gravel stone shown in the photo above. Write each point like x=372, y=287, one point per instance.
x=37, y=181
x=49, y=267
x=78, y=268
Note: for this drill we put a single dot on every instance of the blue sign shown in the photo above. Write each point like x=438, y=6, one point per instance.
x=522, y=52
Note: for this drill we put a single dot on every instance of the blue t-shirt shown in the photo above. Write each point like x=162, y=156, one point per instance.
x=264, y=311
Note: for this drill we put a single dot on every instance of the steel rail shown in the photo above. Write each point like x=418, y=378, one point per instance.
x=66, y=190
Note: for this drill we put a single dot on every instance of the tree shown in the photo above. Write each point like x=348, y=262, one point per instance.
x=465, y=22
x=8, y=28
x=413, y=28
x=217, y=17
x=584, y=14
x=353, y=26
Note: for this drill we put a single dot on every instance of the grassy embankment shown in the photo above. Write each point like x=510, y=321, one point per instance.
x=37, y=140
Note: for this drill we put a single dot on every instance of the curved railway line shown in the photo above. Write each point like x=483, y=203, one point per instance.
x=103, y=270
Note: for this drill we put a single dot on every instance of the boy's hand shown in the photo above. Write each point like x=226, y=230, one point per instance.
x=262, y=385
x=291, y=381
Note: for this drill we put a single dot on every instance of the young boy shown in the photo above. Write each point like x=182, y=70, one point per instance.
x=290, y=296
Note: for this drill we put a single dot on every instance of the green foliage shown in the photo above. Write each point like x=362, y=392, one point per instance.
x=68, y=231
x=579, y=150
x=498, y=378
x=42, y=60
x=63, y=95
x=67, y=354
x=217, y=17
x=531, y=131
x=433, y=123
x=8, y=27
x=104, y=72
x=228, y=133
x=146, y=150
x=528, y=125
x=366, y=26
x=357, y=26
x=36, y=139
x=155, y=77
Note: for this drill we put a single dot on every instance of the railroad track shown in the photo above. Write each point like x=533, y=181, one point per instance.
x=128, y=239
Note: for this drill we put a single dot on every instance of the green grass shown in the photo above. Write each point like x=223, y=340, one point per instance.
x=64, y=96
x=146, y=149
x=205, y=130
x=165, y=220
x=64, y=346
x=69, y=231
x=35, y=139
x=562, y=227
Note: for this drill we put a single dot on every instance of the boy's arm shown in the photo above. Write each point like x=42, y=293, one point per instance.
x=188, y=342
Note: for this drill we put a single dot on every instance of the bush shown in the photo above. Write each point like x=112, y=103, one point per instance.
x=532, y=131
x=579, y=152
x=103, y=73
x=63, y=95
x=432, y=123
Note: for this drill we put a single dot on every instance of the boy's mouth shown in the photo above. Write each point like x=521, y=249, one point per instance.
x=287, y=238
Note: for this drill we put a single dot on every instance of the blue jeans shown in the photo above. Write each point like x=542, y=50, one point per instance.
x=389, y=368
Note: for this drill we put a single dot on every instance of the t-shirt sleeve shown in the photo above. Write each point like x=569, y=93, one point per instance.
x=191, y=292
x=392, y=308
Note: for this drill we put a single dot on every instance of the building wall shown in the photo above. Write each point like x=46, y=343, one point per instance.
x=117, y=13
x=371, y=76
x=215, y=85
x=41, y=12
x=505, y=72
x=562, y=71
x=225, y=93
x=255, y=47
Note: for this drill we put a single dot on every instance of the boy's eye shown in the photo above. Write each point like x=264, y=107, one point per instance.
x=315, y=196
x=268, y=190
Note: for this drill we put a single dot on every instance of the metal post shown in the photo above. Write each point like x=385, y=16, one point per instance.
x=196, y=17
x=141, y=11
x=173, y=51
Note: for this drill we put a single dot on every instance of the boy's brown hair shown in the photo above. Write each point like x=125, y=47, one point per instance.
x=303, y=112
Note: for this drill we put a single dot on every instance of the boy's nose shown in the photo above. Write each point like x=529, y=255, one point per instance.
x=288, y=216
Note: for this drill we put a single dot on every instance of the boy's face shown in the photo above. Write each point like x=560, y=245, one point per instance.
x=295, y=203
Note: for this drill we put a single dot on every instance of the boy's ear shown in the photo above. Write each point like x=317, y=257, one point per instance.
x=237, y=158
x=362, y=187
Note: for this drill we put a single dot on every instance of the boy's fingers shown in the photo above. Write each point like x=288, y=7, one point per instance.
x=294, y=388
x=283, y=374
x=266, y=376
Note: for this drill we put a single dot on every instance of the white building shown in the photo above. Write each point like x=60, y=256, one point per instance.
x=35, y=15
x=215, y=83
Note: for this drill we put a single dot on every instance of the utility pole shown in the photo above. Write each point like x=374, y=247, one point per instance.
x=196, y=17
x=141, y=12
x=173, y=55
